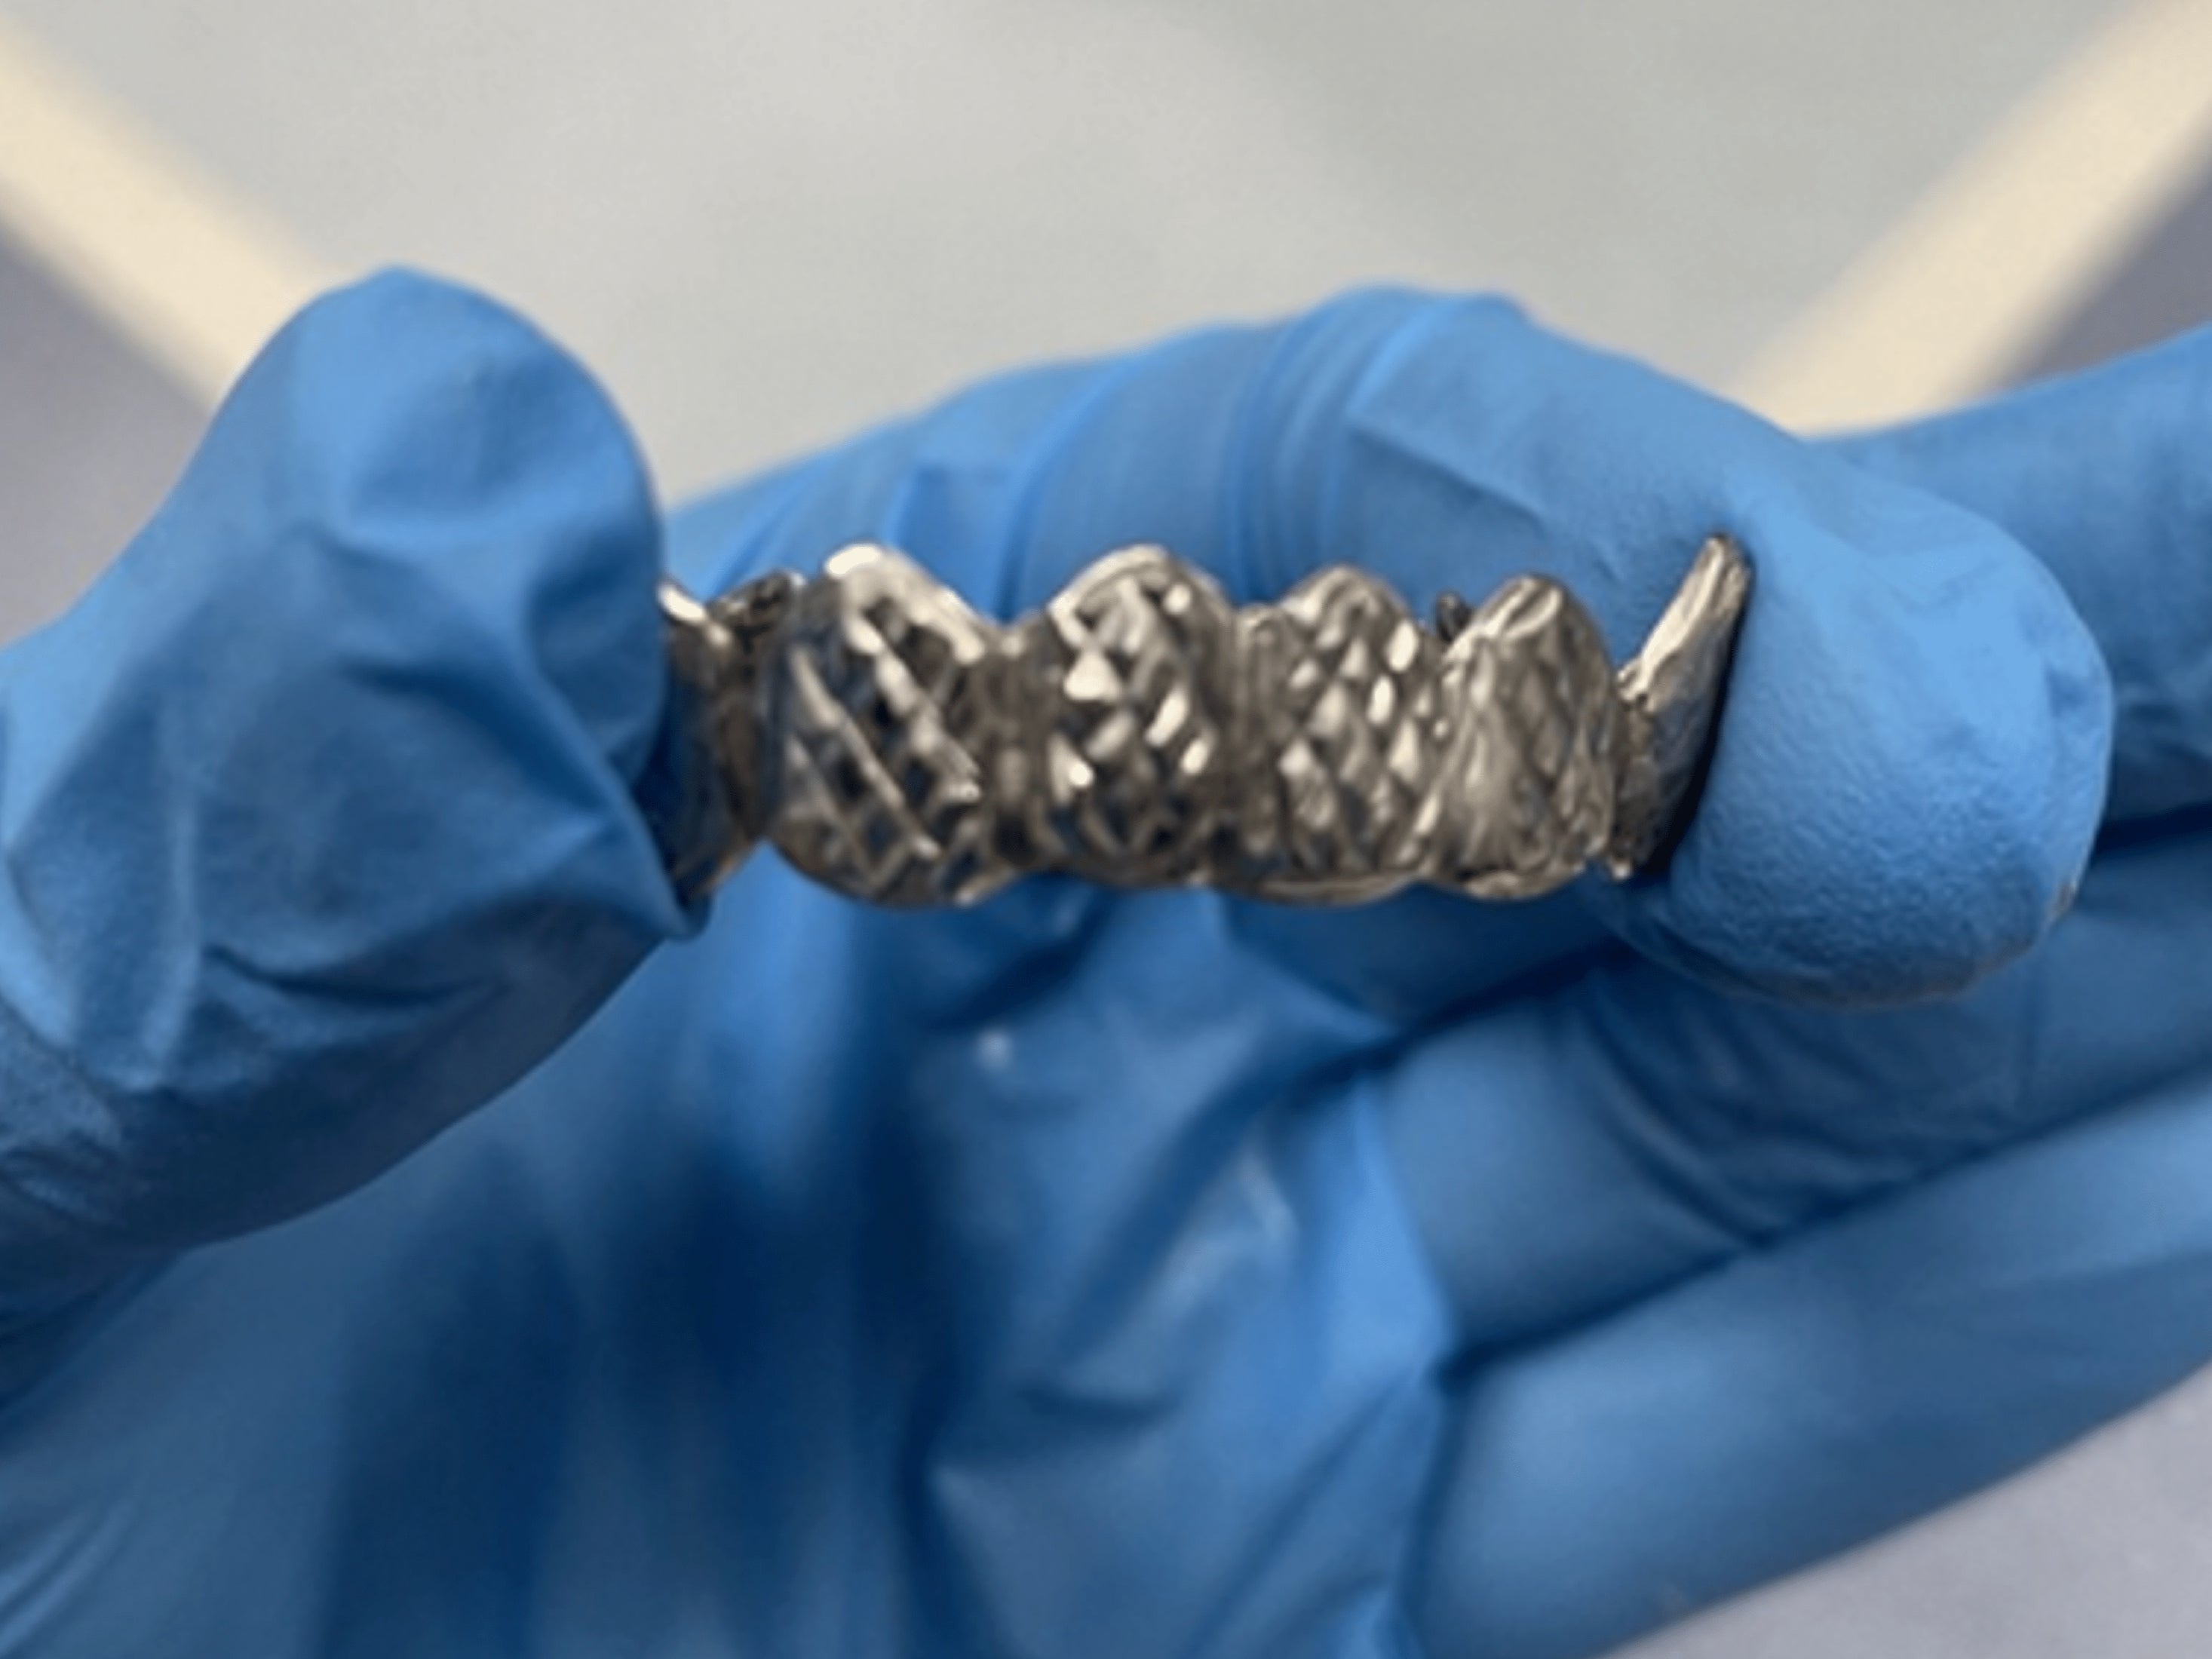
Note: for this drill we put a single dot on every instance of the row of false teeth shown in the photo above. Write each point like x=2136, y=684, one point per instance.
x=1141, y=731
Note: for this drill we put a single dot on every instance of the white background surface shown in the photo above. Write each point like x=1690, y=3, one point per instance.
x=766, y=222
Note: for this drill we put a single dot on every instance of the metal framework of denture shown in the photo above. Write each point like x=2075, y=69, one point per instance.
x=1139, y=730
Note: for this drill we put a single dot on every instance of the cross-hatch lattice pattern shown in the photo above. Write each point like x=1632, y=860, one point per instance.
x=1340, y=694
x=1141, y=730
x=1134, y=660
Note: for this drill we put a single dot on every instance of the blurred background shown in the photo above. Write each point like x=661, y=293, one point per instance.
x=766, y=224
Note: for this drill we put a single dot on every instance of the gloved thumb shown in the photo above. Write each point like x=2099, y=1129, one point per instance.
x=316, y=823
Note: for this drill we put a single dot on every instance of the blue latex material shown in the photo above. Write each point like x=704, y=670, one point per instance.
x=1088, y=1275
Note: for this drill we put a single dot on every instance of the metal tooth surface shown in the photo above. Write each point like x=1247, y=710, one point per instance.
x=886, y=697
x=1670, y=695
x=1340, y=743
x=898, y=747
x=715, y=651
x=1128, y=688
x=1527, y=786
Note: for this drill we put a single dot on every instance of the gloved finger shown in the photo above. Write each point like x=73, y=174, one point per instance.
x=1810, y=1397
x=1566, y=1156
x=315, y=811
x=1169, y=1267
x=1904, y=664
x=2103, y=476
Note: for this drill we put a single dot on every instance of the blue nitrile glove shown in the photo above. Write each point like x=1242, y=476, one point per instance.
x=1086, y=1275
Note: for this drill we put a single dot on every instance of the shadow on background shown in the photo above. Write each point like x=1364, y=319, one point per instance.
x=2164, y=287
x=91, y=434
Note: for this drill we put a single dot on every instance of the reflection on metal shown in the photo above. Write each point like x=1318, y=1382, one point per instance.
x=1141, y=730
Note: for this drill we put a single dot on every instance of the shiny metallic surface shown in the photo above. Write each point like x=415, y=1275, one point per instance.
x=1128, y=696
x=1141, y=732
x=880, y=717
x=1340, y=745
x=1528, y=783
x=1670, y=696
x=715, y=652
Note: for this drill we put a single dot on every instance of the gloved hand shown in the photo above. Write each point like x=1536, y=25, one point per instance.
x=1089, y=1273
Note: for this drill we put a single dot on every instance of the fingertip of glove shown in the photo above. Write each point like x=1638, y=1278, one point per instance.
x=427, y=520
x=405, y=426
x=1911, y=771
x=2102, y=474
x=409, y=395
